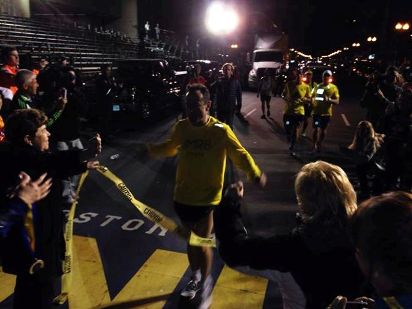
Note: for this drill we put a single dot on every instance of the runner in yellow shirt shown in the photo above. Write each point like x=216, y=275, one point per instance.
x=202, y=144
x=308, y=79
x=295, y=94
x=326, y=95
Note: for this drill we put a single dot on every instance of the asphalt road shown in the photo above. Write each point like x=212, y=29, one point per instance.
x=123, y=257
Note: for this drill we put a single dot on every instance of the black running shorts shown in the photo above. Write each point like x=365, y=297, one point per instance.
x=192, y=214
x=321, y=122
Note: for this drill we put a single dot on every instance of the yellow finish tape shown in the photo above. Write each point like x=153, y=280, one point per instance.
x=68, y=257
x=29, y=226
x=392, y=302
x=154, y=215
x=146, y=211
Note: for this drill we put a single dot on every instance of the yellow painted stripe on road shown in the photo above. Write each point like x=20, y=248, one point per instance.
x=156, y=279
x=7, y=283
x=236, y=290
x=89, y=288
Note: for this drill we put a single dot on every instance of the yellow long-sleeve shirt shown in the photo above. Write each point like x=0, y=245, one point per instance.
x=202, y=153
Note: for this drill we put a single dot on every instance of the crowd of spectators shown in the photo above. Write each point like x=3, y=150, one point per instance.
x=383, y=141
x=337, y=247
x=38, y=179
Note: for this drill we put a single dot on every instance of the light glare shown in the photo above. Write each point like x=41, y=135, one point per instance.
x=221, y=19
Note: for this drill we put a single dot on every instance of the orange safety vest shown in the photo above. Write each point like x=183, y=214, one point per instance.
x=10, y=71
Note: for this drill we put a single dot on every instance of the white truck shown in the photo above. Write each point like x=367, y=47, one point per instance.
x=270, y=53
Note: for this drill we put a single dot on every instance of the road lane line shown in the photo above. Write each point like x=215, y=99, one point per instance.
x=89, y=287
x=7, y=285
x=345, y=120
x=236, y=290
x=251, y=112
x=158, y=277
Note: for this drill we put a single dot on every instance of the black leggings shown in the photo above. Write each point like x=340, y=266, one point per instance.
x=265, y=99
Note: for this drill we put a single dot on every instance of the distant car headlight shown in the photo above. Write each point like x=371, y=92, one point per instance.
x=252, y=72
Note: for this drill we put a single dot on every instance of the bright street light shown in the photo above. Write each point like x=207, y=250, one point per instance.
x=221, y=18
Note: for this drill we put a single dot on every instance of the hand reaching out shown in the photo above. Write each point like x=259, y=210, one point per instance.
x=93, y=149
x=93, y=164
x=341, y=302
x=261, y=181
x=31, y=191
x=235, y=190
x=96, y=145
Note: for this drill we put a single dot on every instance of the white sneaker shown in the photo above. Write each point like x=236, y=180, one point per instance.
x=206, y=295
x=191, y=289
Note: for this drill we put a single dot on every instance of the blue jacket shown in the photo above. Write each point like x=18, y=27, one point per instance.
x=48, y=218
x=16, y=253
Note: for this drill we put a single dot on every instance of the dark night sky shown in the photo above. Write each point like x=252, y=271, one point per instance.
x=313, y=26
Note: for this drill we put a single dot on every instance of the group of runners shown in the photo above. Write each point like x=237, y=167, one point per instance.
x=304, y=98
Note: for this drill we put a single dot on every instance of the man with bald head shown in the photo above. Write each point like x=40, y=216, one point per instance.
x=202, y=144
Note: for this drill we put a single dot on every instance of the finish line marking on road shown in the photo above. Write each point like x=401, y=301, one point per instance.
x=251, y=112
x=345, y=120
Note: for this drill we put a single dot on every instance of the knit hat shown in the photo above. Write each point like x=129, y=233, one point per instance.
x=327, y=72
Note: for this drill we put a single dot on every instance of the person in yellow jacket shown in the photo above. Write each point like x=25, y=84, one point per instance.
x=295, y=94
x=308, y=79
x=325, y=95
x=202, y=144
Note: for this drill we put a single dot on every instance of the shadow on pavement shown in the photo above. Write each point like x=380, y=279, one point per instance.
x=135, y=303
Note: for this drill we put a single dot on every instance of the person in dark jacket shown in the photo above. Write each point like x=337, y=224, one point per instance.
x=382, y=232
x=106, y=90
x=10, y=60
x=318, y=252
x=228, y=95
x=27, y=150
x=65, y=131
x=14, y=213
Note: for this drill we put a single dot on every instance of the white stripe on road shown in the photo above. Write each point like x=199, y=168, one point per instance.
x=251, y=112
x=345, y=120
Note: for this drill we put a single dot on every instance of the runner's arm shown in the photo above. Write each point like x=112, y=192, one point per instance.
x=240, y=157
x=169, y=147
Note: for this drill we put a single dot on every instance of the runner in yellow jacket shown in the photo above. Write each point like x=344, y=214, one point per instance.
x=202, y=145
x=325, y=95
x=295, y=94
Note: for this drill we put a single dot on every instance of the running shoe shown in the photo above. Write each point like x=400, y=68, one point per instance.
x=191, y=289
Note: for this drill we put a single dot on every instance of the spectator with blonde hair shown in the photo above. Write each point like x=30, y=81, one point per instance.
x=367, y=146
x=366, y=141
x=317, y=253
